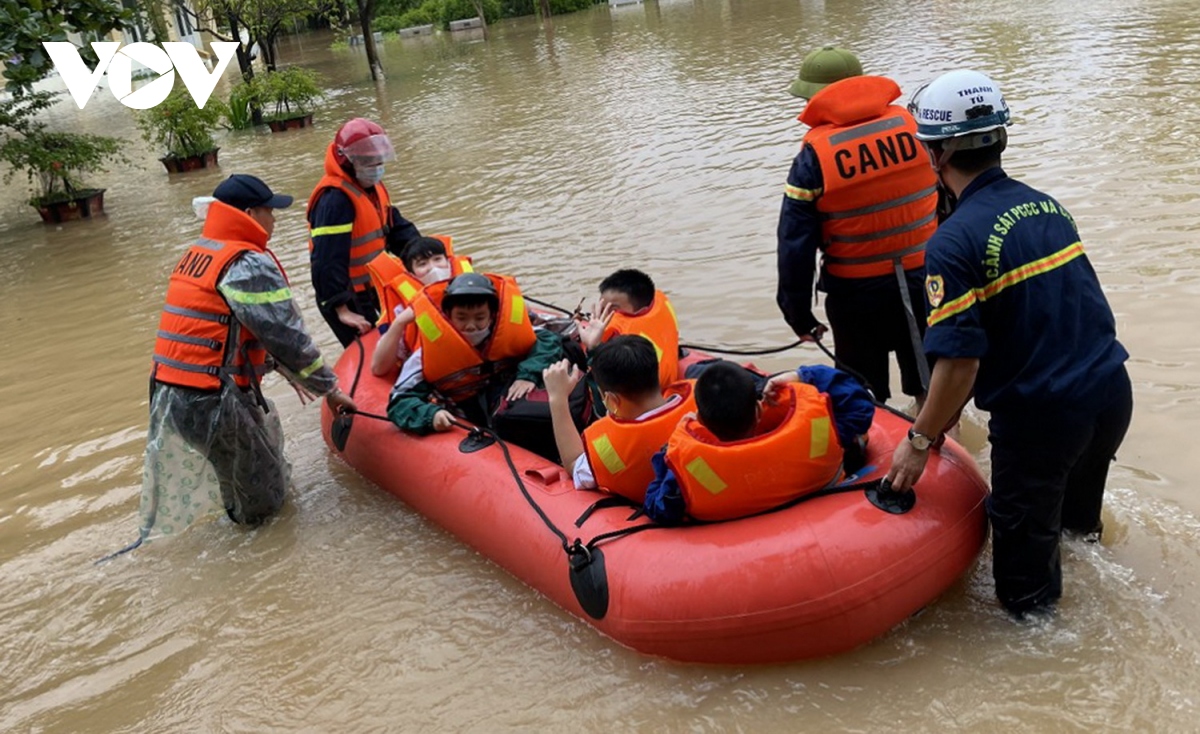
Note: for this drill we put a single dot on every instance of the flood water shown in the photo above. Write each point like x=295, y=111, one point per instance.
x=656, y=136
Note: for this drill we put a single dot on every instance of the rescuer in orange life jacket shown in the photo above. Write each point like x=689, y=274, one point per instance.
x=477, y=352
x=737, y=456
x=229, y=318
x=351, y=220
x=862, y=191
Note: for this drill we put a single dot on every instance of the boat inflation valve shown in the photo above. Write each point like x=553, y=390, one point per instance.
x=890, y=500
x=588, y=579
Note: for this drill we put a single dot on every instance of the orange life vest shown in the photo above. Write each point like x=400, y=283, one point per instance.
x=368, y=233
x=794, y=452
x=193, y=347
x=396, y=287
x=619, y=451
x=456, y=369
x=658, y=324
x=879, y=199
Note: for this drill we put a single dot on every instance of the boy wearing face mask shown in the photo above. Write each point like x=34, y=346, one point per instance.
x=423, y=261
x=614, y=453
x=476, y=348
x=351, y=221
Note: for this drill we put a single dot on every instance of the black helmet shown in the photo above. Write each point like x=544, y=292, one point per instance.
x=470, y=287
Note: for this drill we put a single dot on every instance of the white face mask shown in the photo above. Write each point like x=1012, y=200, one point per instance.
x=477, y=337
x=435, y=275
x=368, y=176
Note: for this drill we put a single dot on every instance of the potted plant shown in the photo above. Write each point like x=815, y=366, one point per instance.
x=183, y=130
x=53, y=162
x=286, y=97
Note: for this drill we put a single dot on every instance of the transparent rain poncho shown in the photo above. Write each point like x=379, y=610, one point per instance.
x=212, y=452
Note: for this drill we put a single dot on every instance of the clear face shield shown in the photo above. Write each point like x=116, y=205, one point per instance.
x=368, y=157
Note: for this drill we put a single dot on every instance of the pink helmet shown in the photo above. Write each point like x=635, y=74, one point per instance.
x=361, y=141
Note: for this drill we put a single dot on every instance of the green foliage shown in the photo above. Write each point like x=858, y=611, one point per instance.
x=392, y=15
x=238, y=110
x=181, y=128
x=459, y=9
x=25, y=24
x=289, y=92
x=53, y=162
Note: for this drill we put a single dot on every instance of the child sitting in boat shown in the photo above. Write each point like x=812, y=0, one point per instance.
x=739, y=457
x=476, y=349
x=423, y=261
x=630, y=304
x=614, y=452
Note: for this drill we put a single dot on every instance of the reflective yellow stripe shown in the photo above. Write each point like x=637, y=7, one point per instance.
x=467, y=267
x=799, y=194
x=517, y=312
x=1011, y=278
x=316, y=365
x=657, y=350
x=333, y=229
x=704, y=474
x=283, y=294
x=818, y=444
x=608, y=455
x=407, y=289
x=672, y=310
x=429, y=329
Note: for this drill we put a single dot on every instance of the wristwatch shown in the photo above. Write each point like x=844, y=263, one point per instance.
x=919, y=441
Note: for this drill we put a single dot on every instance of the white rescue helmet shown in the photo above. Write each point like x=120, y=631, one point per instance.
x=963, y=105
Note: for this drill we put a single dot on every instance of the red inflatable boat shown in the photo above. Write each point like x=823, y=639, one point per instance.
x=817, y=578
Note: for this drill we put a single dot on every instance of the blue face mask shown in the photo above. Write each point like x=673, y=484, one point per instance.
x=368, y=176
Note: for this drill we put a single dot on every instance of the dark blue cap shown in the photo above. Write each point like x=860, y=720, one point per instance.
x=243, y=191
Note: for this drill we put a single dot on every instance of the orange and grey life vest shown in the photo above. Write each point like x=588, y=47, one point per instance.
x=794, y=452
x=619, y=451
x=658, y=324
x=193, y=347
x=368, y=231
x=879, y=197
x=396, y=287
x=456, y=369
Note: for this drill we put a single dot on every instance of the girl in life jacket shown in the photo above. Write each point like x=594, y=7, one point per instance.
x=739, y=457
x=423, y=261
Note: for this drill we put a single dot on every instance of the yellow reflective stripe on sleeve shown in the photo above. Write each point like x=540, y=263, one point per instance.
x=467, y=267
x=1011, y=278
x=799, y=194
x=517, y=312
x=429, y=329
x=608, y=455
x=333, y=229
x=316, y=365
x=704, y=474
x=255, y=299
x=408, y=290
x=818, y=444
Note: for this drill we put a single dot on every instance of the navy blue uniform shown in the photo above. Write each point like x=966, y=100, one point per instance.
x=1009, y=284
x=330, y=259
x=866, y=314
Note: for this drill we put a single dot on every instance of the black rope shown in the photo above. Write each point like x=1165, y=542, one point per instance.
x=123, y=551
x=516, y=475
x=744, y=352
x=551, y=306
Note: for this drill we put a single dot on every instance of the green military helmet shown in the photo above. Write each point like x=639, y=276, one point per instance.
x=822, y=68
